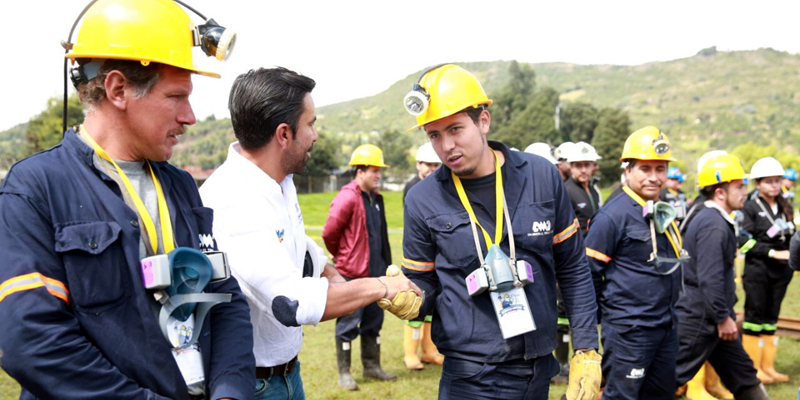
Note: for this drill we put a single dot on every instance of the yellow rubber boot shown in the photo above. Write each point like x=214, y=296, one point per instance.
x=713, y=384
x=768, y=359
x=754, y=347
x=430, y=354
x=696, y=388
x=411, y=339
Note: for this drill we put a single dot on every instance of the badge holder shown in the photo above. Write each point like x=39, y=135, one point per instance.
x=504, y=278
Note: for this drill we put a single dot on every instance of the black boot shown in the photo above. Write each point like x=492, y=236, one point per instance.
x=562, y=356
x=346, y=380
x=753, y=393
x=371, y=358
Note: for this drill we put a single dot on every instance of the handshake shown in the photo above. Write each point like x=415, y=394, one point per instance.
x=406, y=297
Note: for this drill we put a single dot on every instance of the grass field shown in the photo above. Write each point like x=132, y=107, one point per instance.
x=318, y=355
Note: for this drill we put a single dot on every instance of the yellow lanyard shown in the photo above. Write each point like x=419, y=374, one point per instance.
x=674, y=192
x=163, y=211
x=462, y=195
x=641, y=202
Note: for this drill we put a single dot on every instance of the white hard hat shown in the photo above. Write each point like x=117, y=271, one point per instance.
x=582, y=151
x=542, y=150
x=426, y=154
x=767, y=166
x=705, y=157
x=563, y=150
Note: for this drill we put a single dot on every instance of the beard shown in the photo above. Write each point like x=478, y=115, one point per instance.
x=295, y=161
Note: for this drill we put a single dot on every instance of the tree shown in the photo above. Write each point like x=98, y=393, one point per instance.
x=534, y=124
x=396, y=148
x=326, y=155
x=578, y=122
x=513, y=98
x=44, y=130
x=613, y=128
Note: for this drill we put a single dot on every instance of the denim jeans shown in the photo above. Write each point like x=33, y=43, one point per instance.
x=289, y=387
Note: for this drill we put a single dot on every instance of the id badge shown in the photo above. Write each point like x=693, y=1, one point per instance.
x=513, y=312
x=773, y=230
x=189, y=359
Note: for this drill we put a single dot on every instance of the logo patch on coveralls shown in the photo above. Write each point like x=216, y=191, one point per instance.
x=540, y=228
x=280, y=233
x=636, y=373
x=581, y=205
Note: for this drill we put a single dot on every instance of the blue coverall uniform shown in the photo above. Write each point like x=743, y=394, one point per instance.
x=637, y=302
x=439, y=252
x=77, y=320
x=708, y=300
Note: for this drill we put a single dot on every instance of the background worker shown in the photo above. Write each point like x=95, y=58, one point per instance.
x=787, y=183
x=561, y=153
x=637, y=276
x=585, y=200
x=542, y=150
x=418, y=332
x=355, y=233
x=77, y=219
x=427, y=163
x=491, y=350
x=707, y=330
x=672, y=192
x=768, y=218
x=259, y=223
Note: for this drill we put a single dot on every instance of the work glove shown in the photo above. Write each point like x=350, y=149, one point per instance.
x=585, y=375
x=405, y=304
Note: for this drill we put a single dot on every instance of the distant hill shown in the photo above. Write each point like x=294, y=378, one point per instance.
x=711, y=100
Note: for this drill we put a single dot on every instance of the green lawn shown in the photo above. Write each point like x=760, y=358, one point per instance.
x=318, y=355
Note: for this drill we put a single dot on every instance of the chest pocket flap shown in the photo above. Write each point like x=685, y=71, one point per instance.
x=95, y=264
x=453, y=236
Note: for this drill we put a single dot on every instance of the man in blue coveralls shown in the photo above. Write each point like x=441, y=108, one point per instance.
x=76, y=220
x=637, y=281
x=707, y=329
x=484, y=184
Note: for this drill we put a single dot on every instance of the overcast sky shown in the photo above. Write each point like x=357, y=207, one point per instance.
x=359, y=48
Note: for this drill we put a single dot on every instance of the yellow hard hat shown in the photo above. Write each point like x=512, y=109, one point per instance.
x=719, y=169
x=140, y=30
x=647, y=143
x=442, y=92
x=367, y=154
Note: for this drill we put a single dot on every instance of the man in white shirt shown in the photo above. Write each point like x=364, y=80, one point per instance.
x=259, y=224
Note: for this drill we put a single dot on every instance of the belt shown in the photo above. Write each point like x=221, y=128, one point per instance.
x=278, y=370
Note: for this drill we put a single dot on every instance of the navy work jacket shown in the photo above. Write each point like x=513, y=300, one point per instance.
x=76, y=320
x=710, y=288
x=439, y=253
x=630, y=288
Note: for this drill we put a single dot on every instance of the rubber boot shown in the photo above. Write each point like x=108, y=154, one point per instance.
x=696, y=387
x=768, y=359
x=411, y=339
x=346, y=380
x=754, y=348
x=753, y=393
x=562, y=356
x=714, y=385
x=430, y=354
x=371, y=358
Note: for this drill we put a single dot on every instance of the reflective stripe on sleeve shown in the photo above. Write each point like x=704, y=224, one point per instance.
x=566, y=233
x=32, y=281
x=418, y=265
x=598, y=255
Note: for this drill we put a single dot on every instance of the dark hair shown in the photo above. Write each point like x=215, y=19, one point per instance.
x=262, y=99
x=474, y=113
x=142, y=79
x=708, y=191
x=357, y=168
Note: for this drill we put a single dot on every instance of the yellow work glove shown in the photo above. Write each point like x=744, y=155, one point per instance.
x=585, y=374
x=405, y=305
